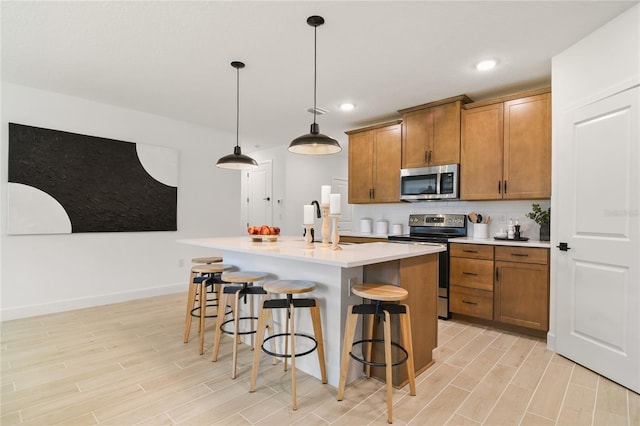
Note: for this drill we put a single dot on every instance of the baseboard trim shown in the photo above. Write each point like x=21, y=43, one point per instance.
x=7, y=314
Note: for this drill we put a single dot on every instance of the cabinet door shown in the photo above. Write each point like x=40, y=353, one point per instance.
x=417, y=132
x=527, y=148
x=386, y=170
x=481, y=153
x=521, y=295
x=445, y=143
x=361, y=167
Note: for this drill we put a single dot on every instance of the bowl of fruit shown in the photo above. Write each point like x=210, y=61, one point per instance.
x=264, y=233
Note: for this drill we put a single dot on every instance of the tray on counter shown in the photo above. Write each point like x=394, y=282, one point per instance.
x=511, y=239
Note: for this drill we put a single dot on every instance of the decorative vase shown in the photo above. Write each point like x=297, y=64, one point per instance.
x=544, y=232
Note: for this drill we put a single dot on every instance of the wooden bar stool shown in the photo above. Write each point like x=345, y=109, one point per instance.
x=265, y=317
x=201, y=277
x=213, y=259
x=246, y=287
x=379, y=294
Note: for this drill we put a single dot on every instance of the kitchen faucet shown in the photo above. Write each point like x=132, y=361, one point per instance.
x=319, y=214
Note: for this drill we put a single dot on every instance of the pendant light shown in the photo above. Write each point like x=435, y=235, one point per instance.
x=237, y=160
x=314, y=142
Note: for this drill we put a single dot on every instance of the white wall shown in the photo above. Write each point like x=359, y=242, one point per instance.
x=602, y=64
x=49, y=273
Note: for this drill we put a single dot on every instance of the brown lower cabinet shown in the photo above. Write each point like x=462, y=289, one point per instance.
x=503, y=284
x=522, y=287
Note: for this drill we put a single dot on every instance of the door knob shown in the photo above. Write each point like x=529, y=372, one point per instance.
x=563, y=247
x=267, y=199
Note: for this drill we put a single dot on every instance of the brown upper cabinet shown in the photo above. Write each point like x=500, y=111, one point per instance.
x=374, y=163
x=431, y=133
x=506, y=148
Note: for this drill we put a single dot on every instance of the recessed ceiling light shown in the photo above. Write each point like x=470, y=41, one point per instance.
x=486, y=65
x=347, y=106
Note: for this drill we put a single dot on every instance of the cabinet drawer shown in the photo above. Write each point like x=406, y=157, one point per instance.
x=522, y=254
x=467, y=301
x=473, y=273
x=473, y=251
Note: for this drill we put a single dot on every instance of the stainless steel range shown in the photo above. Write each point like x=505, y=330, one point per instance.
x=436, y=228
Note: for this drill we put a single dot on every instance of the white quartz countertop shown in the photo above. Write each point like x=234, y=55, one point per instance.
x=493, y=242
x=290, y=247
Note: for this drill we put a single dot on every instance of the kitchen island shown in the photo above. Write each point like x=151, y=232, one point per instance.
x=414, y=267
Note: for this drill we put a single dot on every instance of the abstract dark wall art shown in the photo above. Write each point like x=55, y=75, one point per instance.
x=61, y=182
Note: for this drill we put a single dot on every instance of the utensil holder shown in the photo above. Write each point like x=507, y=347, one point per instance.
x=480, y=231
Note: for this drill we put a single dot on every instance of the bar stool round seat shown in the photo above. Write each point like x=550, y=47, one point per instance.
x=201, y=277
x=238, y=285
x=384, y=298
x=213, y=259
x=265, y=318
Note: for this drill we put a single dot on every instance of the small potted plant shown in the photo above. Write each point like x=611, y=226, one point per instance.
x=542, y=218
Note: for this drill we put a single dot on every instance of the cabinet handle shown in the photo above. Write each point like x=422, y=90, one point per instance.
x=430, y=156
x=499, y=187
x=469, y=303
x=469, y=251
x=519, y=254
x=373, y=193
x=505, y=186
x=497, y=275
x=469, y=273
x=426, y=156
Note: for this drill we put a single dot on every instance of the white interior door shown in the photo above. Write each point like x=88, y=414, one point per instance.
x=259, y=196
x=598, y=214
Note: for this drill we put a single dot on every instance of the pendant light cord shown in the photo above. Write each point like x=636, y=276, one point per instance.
x=237, y=106
x=315, y=69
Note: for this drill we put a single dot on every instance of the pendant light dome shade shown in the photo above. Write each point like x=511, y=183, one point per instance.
x=314, y=142
x=237, y=160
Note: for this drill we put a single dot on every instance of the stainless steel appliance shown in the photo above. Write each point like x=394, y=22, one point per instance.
x=430, y=183
x=436, y=228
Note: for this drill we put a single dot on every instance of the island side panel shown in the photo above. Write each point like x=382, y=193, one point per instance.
x=419, y=276
x=332, y=290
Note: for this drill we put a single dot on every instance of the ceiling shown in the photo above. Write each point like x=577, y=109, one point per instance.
x=172, y=58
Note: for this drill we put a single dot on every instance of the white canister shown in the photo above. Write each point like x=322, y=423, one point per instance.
x=365, y=226
x=382, y=227
x=396, y=229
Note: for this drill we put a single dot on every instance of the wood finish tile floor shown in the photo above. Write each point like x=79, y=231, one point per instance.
x=125, y=364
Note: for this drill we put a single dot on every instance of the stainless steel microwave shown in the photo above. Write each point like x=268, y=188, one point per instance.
x=430, y=183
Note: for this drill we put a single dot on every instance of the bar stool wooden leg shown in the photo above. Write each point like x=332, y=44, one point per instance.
x=202, y=299
x=388, y=360
x=286, y=342
x=368, y=347
x=317, y=331
x=264, y=318
x=293, y=356
x=349, y=332
x=191, y=301
x=408, y=344
x=219, y=320
x=236, y=336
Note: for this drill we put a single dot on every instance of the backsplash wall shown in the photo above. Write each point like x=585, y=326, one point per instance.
x=500, y=212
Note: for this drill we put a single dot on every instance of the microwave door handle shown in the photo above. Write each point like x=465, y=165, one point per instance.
x=438, y=183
